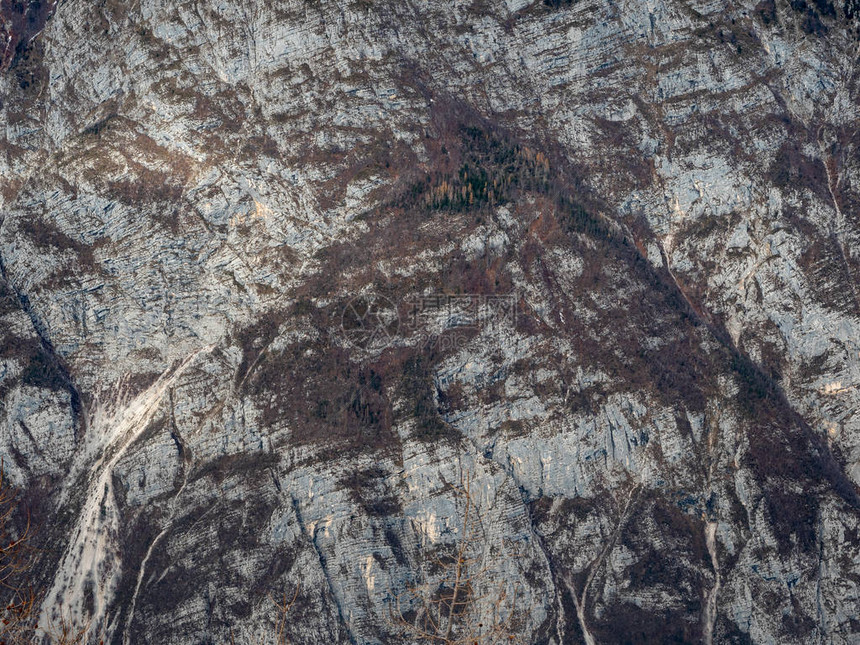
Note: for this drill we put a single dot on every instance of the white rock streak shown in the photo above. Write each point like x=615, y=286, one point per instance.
x=89, y=571
x=711, y=602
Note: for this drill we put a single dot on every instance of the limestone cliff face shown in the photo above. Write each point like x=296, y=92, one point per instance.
x=279, y=278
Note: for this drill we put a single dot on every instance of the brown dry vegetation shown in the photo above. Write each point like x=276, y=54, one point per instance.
x=445, y=611
x=19, y=613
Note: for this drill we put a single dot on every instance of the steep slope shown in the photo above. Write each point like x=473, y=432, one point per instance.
x=280, y=278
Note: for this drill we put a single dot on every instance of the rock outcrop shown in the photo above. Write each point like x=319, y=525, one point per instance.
x=306, y=303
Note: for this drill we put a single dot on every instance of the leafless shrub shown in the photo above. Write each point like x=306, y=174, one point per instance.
x=15, y=559
x=19, y=615
x=282, y=609
x=446, y=611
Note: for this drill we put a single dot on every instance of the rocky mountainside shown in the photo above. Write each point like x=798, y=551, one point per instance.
x=322, y=317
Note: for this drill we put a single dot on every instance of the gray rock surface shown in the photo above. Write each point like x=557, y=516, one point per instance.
x=661, y=442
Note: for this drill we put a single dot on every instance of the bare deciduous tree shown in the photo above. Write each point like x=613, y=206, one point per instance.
x=15, y=559
x=447, y=610
x=19, y=617
x=282, y=608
